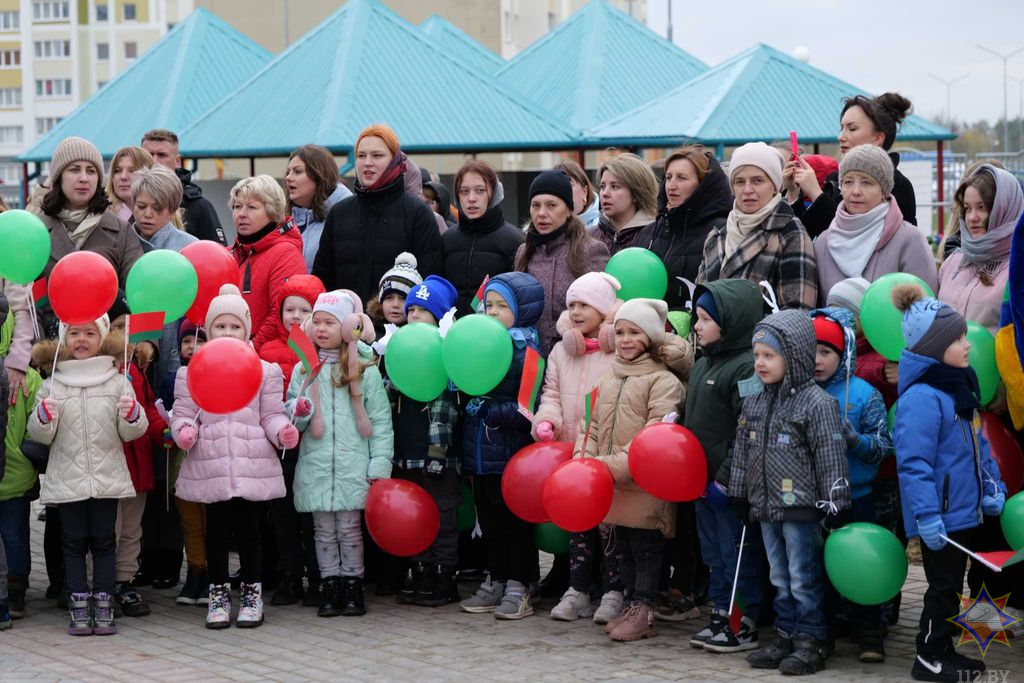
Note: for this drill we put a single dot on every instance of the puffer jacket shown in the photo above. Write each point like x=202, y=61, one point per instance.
x=19, y=477
x=86, y=440
x=713, y=402
x=235, y=455
x=495, y=432
x=310, y=228
x=862, y=405
x=138, y=453
x=633, y=395
x=678, y=235
x=267, y=259
x=276, y=350
x=789, y=452
x=617, y=240
x=943, y=460
x=333, y=471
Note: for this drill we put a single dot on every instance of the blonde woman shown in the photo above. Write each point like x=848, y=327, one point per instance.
x=126, y=163
x=629, y=195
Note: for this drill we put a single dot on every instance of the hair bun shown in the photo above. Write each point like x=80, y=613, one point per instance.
x=229, y=289
x=405, y=260
x=904, y=295
x=898, y=106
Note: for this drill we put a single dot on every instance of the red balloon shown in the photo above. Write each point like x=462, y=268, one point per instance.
x=522, y=484
x=401, y=516
x=578, y=495
x=668, y=462
x=215, y=267
x=1005, y=451
x=224, y=375
x=82, y=287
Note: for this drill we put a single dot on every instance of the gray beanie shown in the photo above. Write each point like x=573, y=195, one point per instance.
x=71, y=150
x=848, y=294
x=871, y=160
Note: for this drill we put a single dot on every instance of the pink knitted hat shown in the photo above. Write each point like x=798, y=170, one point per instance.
x=229, y=302
x=597, y=290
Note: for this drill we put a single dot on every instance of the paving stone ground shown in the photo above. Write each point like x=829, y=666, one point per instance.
x=405, y=643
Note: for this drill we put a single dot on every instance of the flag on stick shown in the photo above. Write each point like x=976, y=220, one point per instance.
x=996, y=560
x=144, y=326
x=302, y=345
x=533, y=380
x=39, y=294
x=478, y=298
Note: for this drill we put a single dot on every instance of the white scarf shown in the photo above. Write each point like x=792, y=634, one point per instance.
x=739, y=225
x=79, y=224
x=852, y=238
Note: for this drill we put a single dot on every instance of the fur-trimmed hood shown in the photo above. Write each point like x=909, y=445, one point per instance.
x=43, y=352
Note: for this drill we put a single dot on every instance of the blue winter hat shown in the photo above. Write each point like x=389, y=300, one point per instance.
x=764, y=335
x=707, y=302
x=435, y=294
x=930, y=326
x=506, y=293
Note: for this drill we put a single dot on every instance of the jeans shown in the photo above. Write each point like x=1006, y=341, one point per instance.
x=720, y=532
x=3, y=572
x=797, y=572
x=89, y=527
x=242, y=518
x=641, y=553
x=339, y=543
x=583, y=549
x=14, y=531
x=444, y=489
x=511, y=554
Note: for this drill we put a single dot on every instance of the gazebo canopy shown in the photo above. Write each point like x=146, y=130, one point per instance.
x=450, y=38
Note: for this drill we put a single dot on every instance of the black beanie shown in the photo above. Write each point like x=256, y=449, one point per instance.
x=554, y=183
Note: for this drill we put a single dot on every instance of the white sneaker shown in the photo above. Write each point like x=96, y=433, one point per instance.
x=573, y=605
x=611, y=607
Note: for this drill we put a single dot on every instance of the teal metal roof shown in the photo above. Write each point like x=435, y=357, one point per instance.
x=177, y=80
x=364, y=64
x=598, y=64
x=760, y=94
x=450, y=38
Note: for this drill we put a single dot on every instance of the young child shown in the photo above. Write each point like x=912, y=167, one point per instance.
x=85, y=479
x=642, y=388
x=948, y=480
x=294, y=304
x=348, y=443
x=575, y=365
x=726, y=312
x=494, y=431
x=789, y=456
x=233, y=467
x=389, y=306
x=866, y=429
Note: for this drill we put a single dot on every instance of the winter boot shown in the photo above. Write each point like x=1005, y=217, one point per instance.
x=573, y=605
x=637, y=624
x=131, y=602
x=103, y=614
x=80, y=607
x=330, y=597
x=770, y=657
x=16, y=586
x=353, y=604
x=418, y=583
x=250, y=606
x=218, y=610
x=443, y=590
x=808, y=656
x=289, y=591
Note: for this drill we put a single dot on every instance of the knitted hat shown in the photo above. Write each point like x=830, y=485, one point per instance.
x=306, y=287
x=230, y=302
x=119, y=307
x=647, y=314
x=190, y=329
x=384, y=133
x=102, y=324
x=830, y=333
x=929, y=326
x=760, y=155
x=506, y=293
x=71, y=150
x=707, y=302
x=337, y=303
x=435, y=294
x=597, y=290
x=872, y=161
x=764, y=335
x=556, y=183
x=848, y=293
x=401, y=278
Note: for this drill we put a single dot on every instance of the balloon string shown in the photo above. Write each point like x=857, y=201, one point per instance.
x=127, y=333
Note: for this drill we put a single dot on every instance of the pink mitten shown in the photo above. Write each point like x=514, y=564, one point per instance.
x=303, y=407
x=186, y=437
x=288, y=436
x=545, y=431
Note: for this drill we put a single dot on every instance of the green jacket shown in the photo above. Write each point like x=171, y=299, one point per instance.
x=19, y=476
x=713, y=402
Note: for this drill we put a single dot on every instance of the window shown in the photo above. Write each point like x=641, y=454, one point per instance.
x=53, y=49
x=131, y=50
x=102, y=13
x=10, y=21
x=53, y=87
x=10, y=58
x=11, y=135
x=45, y=124
x=10, y=174
x=10, y=97
x=102, y=51
x=129, y=11
x=50, y=10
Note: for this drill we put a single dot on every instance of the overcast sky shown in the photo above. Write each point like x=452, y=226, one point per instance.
x=877, y=45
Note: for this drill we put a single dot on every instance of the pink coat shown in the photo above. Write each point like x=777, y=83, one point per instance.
x=962, y=289
x=567, y=382
x=236, y=455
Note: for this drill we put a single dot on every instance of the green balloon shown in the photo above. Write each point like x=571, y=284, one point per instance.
x=25, y=245
x=892, y=416
x=162, y=280
x=983, y=360
x=640, y=272
x=550, y=539
x=879, y=317
x=866, y=563
x=1012, y=521
x=681, y=321
x=414, y=363
x=467, y=508
x=477, y=353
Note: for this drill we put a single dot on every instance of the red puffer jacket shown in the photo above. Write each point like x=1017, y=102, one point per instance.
x=267, y=259
x=276, y=350
x=139, y=453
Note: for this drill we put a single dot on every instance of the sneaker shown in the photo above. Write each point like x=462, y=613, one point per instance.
x=486, y=599
x=80, y=608
x=250, y=606
x=444, y=590
x=103, y=614
x=965, y=663
x=717, y=623
x=515, y=603
x=6, y=621
x=871, y=648
x=573, y=605
x=770, y=657
x=192, y=590
x=218, y=610
x=130, y=601
x=330, y=598
x=727, y=641
x=637, y=624
x=610, y=607
x=289, y=591
x=675, y=606
x=808, y=657
x=942, y=669
x=353, y=602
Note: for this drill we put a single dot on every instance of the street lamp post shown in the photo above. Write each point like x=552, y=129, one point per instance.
x=1006, y=107
x=949, y=86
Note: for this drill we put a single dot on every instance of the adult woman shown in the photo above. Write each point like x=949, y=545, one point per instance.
x=629, y=194
x=123, y=167
x=557, y=249
x=864, y=121
x=75, y=209
x=693, y=200
x=314, y=187
x=868, y=237
x=268, y=250
x=762, y=240
x=585, y=202
x=973, y=279
x=483, y=244
x=364, y=233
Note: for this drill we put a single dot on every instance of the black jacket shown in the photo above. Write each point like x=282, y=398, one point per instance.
x=365, y=232
x=677, y=236
x=444, y=202
x=476, y=249
x=201, y=219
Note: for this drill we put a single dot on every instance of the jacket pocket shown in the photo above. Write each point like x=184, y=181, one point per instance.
x=945, y=494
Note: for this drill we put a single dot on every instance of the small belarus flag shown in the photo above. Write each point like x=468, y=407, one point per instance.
x=302, y=345
x=533, y=380
x=588, y=410
x=39, y=293
x=478, y=298
x=144, y=326
x=736, y=615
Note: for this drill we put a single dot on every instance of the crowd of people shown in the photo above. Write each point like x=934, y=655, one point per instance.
x=776, y=380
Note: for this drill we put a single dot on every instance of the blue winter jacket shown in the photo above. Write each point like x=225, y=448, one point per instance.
x=943, y=460
x=490, y=440
x=862, y=405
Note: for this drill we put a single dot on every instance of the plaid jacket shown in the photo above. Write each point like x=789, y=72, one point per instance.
x=779, y=251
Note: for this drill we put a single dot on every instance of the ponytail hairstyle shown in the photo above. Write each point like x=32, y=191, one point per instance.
x=886, y=113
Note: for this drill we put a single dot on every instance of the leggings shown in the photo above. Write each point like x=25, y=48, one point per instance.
x=242, y=518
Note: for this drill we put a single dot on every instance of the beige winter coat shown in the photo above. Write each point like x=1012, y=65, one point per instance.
x=632, y=395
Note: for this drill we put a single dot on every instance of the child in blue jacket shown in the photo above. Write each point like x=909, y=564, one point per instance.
x=948, y=480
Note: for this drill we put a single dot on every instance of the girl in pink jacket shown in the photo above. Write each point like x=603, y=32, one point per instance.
x=573, y=368
x=232, y=466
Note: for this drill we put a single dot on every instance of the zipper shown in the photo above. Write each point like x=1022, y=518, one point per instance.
x=615, y=416
x=333, y=436
x=977, y=467
x=479, y=456
x=945, y=494
x=764, y=453
x=469, y=261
